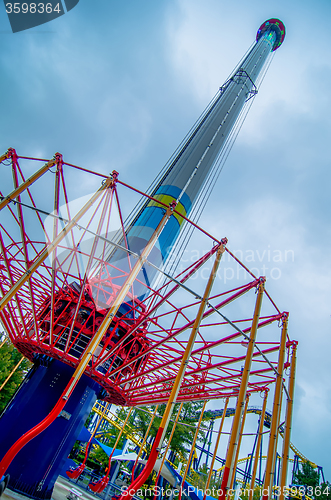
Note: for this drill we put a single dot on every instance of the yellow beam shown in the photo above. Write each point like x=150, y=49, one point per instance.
x=11, y=373
x=119, y=437
x=3, y=342
x=6, y=155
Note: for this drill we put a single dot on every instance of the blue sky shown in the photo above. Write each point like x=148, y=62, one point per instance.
x=117, y=85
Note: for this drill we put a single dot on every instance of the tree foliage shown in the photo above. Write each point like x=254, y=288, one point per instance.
x=199, y=480
x=307, y=476
x=99, y=456
x=325, y=491
x=9, y=357
x=138, y=424
x=184, y=432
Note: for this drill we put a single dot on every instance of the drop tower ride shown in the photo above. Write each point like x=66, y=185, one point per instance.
x=56, y=333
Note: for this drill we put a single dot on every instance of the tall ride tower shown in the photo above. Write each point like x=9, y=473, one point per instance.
x=185, y=177
x=54, y=328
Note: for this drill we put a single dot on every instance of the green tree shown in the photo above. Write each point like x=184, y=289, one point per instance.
x=97, y=455
x=139, y=421
x=257, y=493
x=325, y=491
x=307, y=476
x=199, y=480
x=184, y=431
x=9, y=357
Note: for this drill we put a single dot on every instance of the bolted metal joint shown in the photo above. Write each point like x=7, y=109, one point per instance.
x=58, y=157
x=283, y=319
x=114, y=176
x=10, y=154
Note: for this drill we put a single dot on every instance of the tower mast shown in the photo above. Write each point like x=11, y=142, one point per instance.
x=187, y=173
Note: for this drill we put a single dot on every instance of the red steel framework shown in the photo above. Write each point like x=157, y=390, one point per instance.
x=60, y=304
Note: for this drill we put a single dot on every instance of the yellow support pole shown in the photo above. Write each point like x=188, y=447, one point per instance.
x=3, y=342
x=117, y=440
x=288, y=424
x=216, y=448
x=258, y=445
x=240, y=438
x=49, y=249
x=177, y=383
x=144, y=441
x=99, y=420
x=233, y=440
x=101, y=417
x=187, y=468
x=272, y=448
x=11, y=373
x=11, y=196
x=167, y=447
x=6, y=155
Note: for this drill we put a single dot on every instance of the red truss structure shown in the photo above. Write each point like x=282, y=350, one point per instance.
x=62, y=301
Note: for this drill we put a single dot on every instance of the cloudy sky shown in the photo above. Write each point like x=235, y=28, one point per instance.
x=117, y=85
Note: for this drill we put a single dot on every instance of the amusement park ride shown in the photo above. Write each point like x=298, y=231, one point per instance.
x=86, y=297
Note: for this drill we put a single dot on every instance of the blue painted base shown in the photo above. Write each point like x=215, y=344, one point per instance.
x=37, y=466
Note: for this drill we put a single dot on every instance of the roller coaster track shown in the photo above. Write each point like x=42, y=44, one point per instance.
x=287, y=489
x=129, y=431
x=264, y=457
x=214, y=414
x=131, y=434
